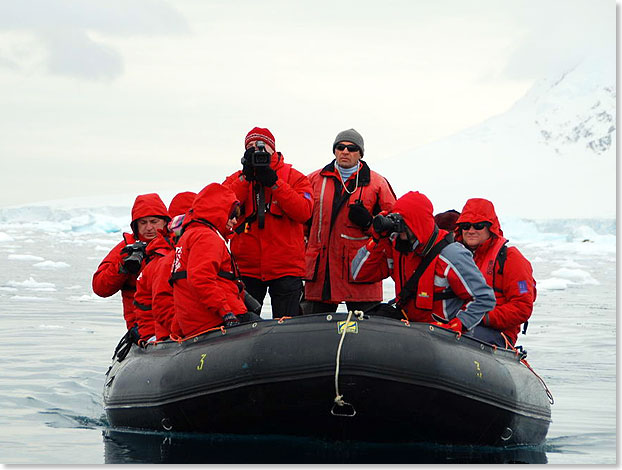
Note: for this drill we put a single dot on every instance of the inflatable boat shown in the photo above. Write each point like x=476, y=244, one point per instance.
x=334, y=376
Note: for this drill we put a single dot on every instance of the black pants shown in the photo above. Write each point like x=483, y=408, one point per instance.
x=488, y=335
x=285, y=293
x=325, y=307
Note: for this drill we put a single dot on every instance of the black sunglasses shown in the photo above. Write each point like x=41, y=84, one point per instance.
x=351, y=148
x=476, y=226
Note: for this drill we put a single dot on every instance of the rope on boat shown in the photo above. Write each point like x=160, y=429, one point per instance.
x=509, y=345
x=339, y=402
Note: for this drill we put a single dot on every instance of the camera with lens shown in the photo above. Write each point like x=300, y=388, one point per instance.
x=134, y=260
x=259, y=158
x=388, y=224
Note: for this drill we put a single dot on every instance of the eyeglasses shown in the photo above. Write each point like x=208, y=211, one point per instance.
x=351, y=148
x=476, y=226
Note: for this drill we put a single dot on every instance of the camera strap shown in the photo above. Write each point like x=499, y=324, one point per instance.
x=261, y=206
x=410, y=287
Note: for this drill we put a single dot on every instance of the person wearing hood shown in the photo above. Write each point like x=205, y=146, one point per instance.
x=119, y=269
x=207, y=290
x=155, y=322
x=347, y=195
x=275, y=201
x=504, y=267
x=435, y=278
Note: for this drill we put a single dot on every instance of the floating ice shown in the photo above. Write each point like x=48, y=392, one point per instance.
x=553, y=284
x=25, y=258
x=27, y=298
x=5, y=237
x=87, y=298
x=577, y=276
x=51, y=265
x=31, y=284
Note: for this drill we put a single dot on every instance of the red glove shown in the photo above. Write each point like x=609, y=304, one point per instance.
x=454, y=324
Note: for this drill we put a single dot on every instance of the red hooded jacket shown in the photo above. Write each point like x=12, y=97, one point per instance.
x=203, y=272
x=334, y=240
x=515, y=288
x=452, y=270
x=278, y=249
x=108, y=280
x=157, y=249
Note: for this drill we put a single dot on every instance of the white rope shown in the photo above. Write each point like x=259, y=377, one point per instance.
x=338, y=397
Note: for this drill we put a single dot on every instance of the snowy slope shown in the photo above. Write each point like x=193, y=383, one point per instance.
x=553, y=154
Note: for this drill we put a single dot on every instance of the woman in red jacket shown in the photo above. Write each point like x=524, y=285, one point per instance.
x=269, y=247
x=207, y=291
x=347, y=194
x=114, y=273
x=505, y=269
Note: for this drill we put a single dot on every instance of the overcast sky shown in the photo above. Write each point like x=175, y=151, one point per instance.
x=114, y=96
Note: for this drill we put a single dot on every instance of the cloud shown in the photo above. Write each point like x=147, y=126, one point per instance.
x=63, y=27
x=73, y=53
x=558, y=34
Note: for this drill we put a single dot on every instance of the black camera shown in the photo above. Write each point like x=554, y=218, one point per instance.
x=259, y=157
x=388, y=224
x=134, y=261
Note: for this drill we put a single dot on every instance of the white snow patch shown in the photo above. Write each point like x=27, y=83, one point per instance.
x=5, y=237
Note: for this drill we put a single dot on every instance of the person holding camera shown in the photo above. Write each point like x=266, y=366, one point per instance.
x=269, y=243
x=154, y=320
x=347, y=195
x=505, y=269
x=436, y=279
x=119, y=269
x=207, y=289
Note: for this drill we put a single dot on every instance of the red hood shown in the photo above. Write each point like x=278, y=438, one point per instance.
x=181, y=203
x=418, y=213
x=149, y=205
x=214, y=203
x=481, y=210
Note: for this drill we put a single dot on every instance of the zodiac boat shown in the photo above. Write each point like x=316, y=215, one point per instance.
x=333, y=376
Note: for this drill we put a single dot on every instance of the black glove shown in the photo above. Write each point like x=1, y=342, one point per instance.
x=230, y=320
x=266, y=176
x=247, y=170
x=359, y=215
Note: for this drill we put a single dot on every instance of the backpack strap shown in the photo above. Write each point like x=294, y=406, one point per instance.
x=410, y=287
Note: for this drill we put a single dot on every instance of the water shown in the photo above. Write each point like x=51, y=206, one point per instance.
x=57, y=338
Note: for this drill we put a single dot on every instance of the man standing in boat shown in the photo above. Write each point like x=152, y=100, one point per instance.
x=435, y=278
x=276, y=201
x=505, y=269
x=347, y=195
x=119, y=269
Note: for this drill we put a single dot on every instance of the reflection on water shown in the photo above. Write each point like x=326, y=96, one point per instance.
x=130, y=447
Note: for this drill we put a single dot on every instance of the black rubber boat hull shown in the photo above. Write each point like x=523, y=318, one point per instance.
x=403, y=383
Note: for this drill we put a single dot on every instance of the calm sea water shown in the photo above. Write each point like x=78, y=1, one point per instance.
x=56, y=342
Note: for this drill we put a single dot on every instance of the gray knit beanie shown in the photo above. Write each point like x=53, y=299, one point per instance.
x=350, y=136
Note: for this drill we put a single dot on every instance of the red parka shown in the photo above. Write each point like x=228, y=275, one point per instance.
x=334, y=240
x=203, y=290
x=452, y=271
x=157, y=249
x=108, y=280
x=276, y=250
x=515, y=288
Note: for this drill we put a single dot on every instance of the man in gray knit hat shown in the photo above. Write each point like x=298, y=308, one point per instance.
x=347, y=195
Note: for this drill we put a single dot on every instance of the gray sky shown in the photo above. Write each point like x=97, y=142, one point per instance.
x=112, y=96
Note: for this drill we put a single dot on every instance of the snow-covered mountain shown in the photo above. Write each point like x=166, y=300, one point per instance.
x=553, y=154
